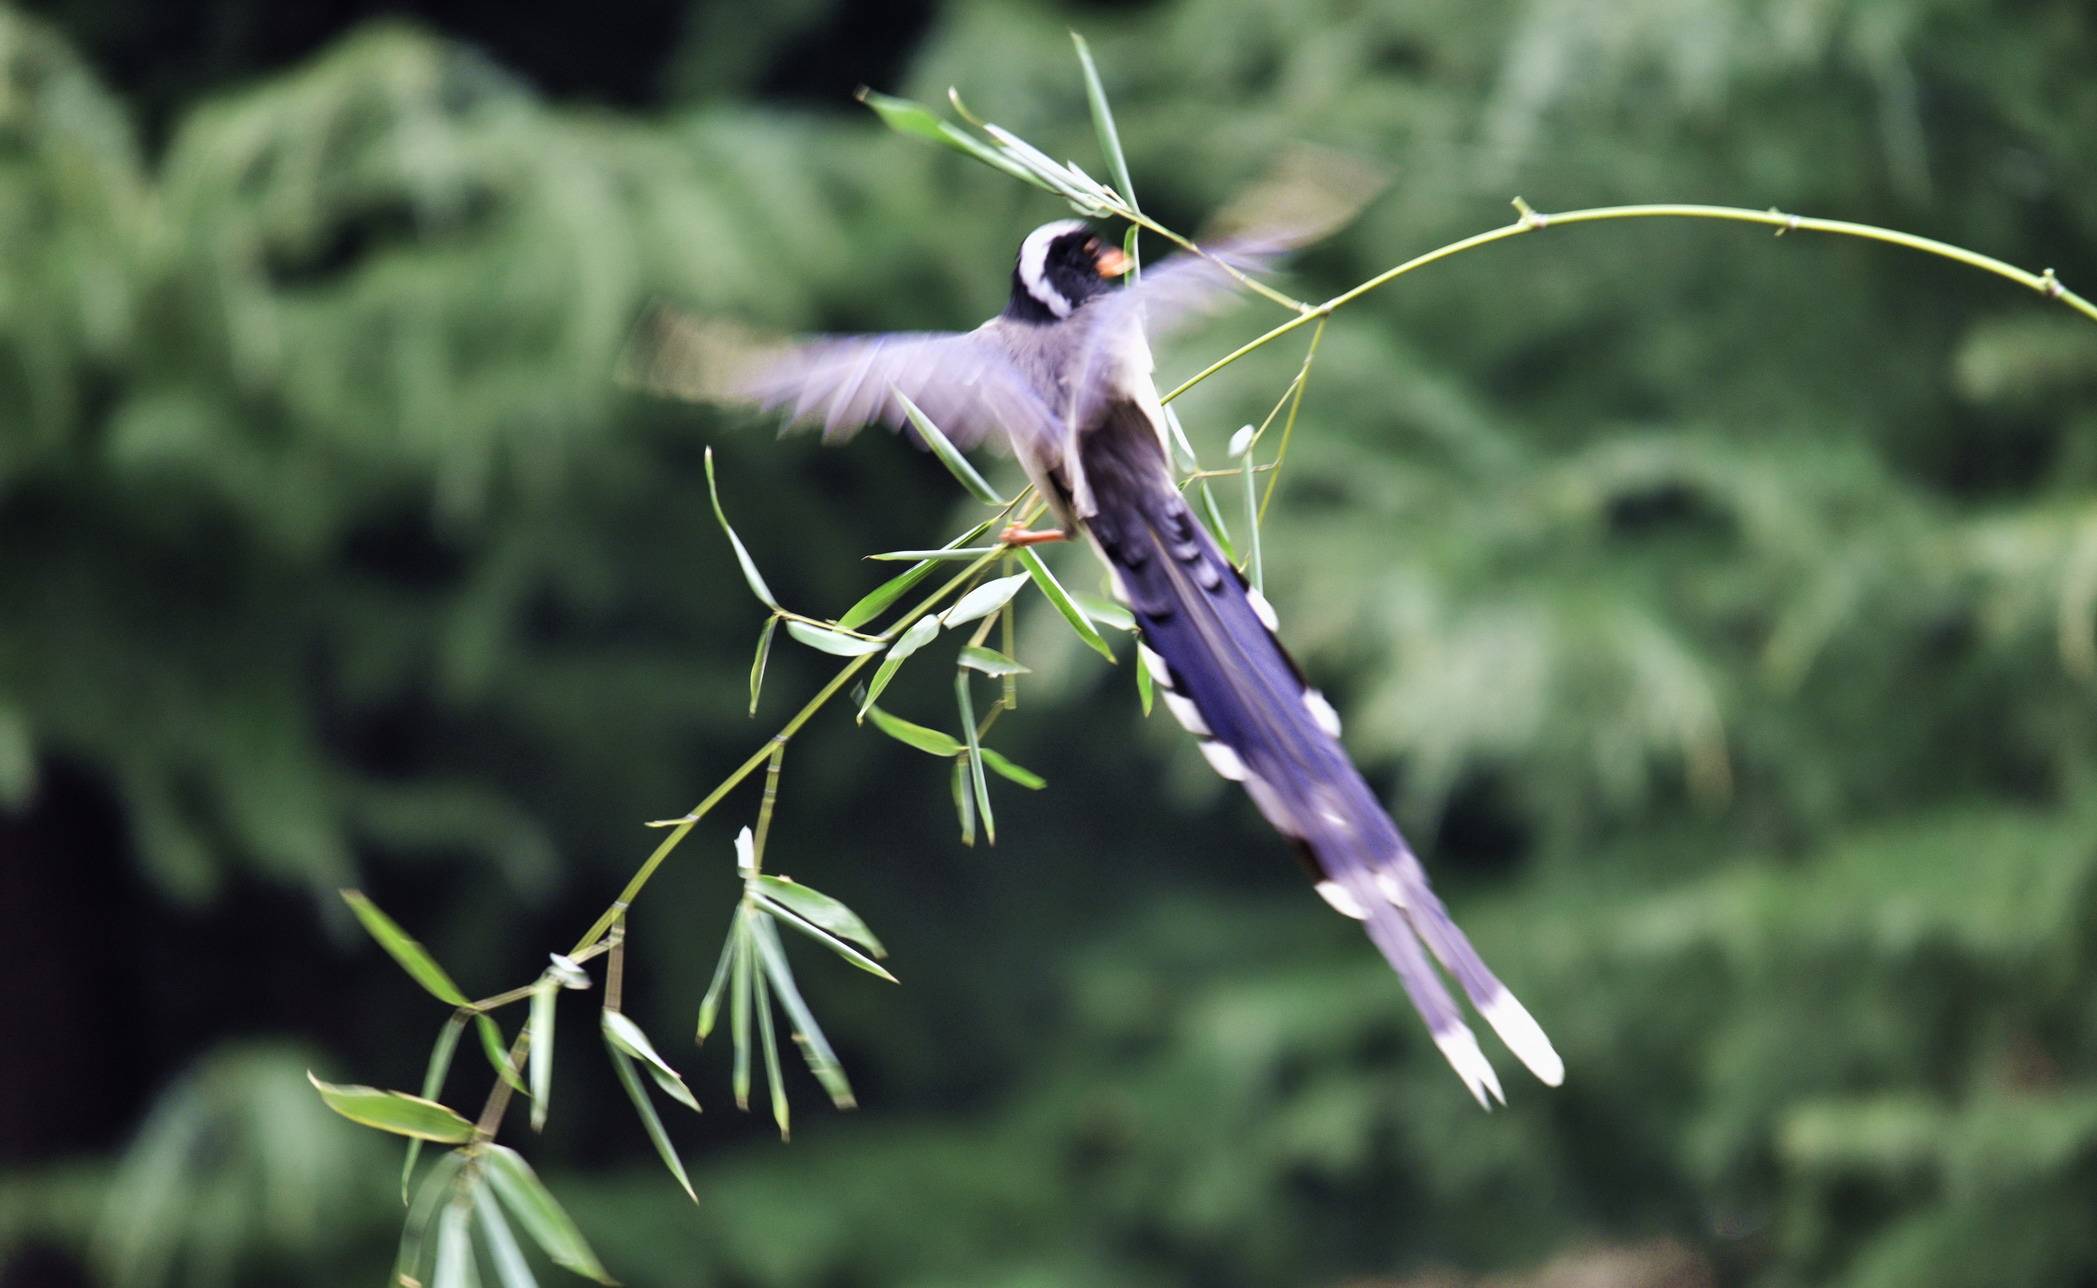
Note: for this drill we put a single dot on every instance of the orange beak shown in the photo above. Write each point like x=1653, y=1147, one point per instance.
x=1112, y=263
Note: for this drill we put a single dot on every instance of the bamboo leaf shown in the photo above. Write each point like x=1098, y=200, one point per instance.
x=1212, y=515
x=1004, y=768
x=936, y=556
x=1144, y=687
x=930, y=741
x=1255, y=570
x=548, y=1224
x=813, y=905
x=394, y=1111
x=651, y=1122
x=770, y=1042
x=403, y=948
x=709, y=1006
x=1065, y=605
x=949, y=455
x=1103, y=122
x=835, y=643
x=815, y=1049
x=433, y=1085
x=1105, y=612
x=498, y=1052
x=991, y=662
x=984, y=599
x=742, y=555
x=906, y=117
x=975, y=757
x=454, y=1267
x=540, y=1052
x=436, y=1187
x=623, y=1033
x=964, y=801
x=739, y=1023
x=920, y=633
x=827, y=940
x=510, y=1266
x=764, y=654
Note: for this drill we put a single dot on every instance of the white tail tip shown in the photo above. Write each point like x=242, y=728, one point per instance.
x=1523, y=1036
x=1460, y=1047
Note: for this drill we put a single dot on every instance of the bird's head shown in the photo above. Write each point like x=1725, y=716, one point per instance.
x=1062, y=265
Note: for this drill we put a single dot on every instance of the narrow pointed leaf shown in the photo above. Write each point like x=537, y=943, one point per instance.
x=1103, y=122
x=755, y=579
x=498, y=1052
x=920, y=633
x=540, y=1052
x=949, y=455
x=1255, y=570
x=624, y=1034
x=1105, y=612
x=827, y=940
x=930, y=741
x=739, y=1026
x=454, y=1266
x=403, y=948
x=435, y=1189
x=934, y=556
x=814, y=906
x=549, y=1226
x=710, y=1005
x=975, y=757
x=986, y=598
x=511, y=1269
x=433, y=1085
x=815, y=1049
x=757, y=664
x=394, y=1111
x=964, y=801
x=770, y=1041
x=906, y=117
x=1212, y=515
x=1020, y=774
x=877, y=601
x=1065, y=605
x=991, y=662
x=836, y=643
x=1144, y=687
x=651, y=1122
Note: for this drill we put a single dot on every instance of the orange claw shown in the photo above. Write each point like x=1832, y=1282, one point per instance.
x=1014, y=535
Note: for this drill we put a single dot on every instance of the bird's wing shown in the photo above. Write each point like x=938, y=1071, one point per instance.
x=965, y=382
x=1209, y=641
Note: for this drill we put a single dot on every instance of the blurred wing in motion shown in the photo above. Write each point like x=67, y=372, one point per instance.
x=963, y=381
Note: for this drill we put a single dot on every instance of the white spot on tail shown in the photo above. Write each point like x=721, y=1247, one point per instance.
x=1272, y=807
x=1525, y=1037
x=1033, y=265
x=1261, y=608
x=1183, y=711
x=1342, y=900
x=1223, y=760
x=1322, y=713
x=1155, y=665
x=1392, y=889
x=1460, y=1047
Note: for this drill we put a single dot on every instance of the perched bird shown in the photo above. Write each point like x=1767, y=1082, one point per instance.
x=1064, y=374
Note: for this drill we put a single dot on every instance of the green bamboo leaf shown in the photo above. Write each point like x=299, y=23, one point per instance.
x=930, y=741
x=815, y=1049
x=623, y=1033
x=835, y=643
x=510, y=1266
x=549, y=1226
x=975, y=757
x=985, y=599
x=742, y=556
x=436, y=1187
x=1144, y=687
x=764, y=654
x=454, y=1267
x=920, y=633
x=906, y=117
x=739, y=1023
x=1212, y=515
x=1103, y=122
x=1105, y=611
x=964, y=801
x=770, y=1042
x=651, y=1122
x=936, y=556
x=394, y=1111
x=949, y=455
x=403, y=948
x=540, y=1052
x=1255, y=570
x=498, y=1052
x=1065, y=605
x=433, y=1085
x=1020, y=774
x=991, y=662
x=781, y=913
x=709, y=1006
x=813, y=905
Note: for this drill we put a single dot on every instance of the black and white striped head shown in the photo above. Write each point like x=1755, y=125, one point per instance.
x=1061, y=265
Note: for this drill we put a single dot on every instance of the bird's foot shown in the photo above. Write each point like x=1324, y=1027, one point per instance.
x=1015, y=535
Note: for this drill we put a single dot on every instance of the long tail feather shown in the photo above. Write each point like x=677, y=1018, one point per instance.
x=1209, y=642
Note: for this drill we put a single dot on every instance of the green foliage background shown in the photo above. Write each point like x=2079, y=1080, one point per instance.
x=1719, y=613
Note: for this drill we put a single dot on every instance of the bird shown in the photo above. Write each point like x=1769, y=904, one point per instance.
x=1064, y=376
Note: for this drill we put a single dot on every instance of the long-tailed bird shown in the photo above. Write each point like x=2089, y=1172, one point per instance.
x=1064, y=373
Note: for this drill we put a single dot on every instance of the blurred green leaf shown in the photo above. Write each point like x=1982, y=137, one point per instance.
x=510, y=1267
x=455, y=1267
x=989, y=661
x=624, y=1034
x=1103, y=122
x=433, y=1086
x=403, y=948
x=984, y=599
x=949, y=455
x=1065, y=605
x=394, y=1111
x=975, y=756
x=916, y=637
x=815, y=1048
x=906, y=117
x=497, y=1049
x=528, y=1199
x=781, y=1114
x=540, y=1053
x=751, y=576
x=757, y=664
x=781, y=913
x=709, y=1005
x=651, y=1122
x=930, y=741
x=814, y=906
x=835, y=643
x=1004, y=768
